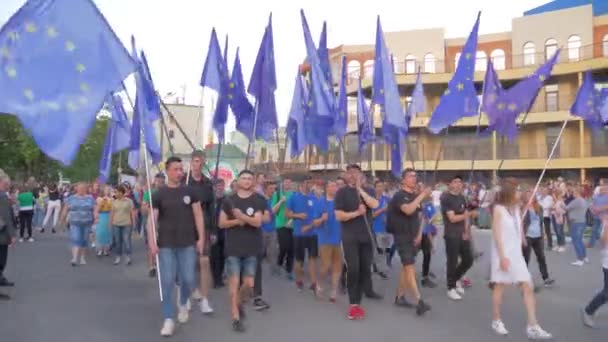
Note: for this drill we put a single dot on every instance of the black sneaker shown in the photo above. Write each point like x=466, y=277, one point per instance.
x=152, y=273
x=549, y=282
x=382, y=275
x=53, y=231
x=260, y=305
x=428, y=283
x=402, y=302
x=4, y=296
x=42, y=230
x=422, y=308
x=374, y=296
x=238, y=326
x=5, y=283
x=432, y=275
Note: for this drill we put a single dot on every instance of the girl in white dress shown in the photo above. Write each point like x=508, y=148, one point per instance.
x=508, y=264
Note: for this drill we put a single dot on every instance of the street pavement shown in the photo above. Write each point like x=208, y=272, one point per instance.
x=100, y=302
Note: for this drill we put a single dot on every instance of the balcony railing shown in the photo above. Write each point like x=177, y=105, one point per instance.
x=514, y=61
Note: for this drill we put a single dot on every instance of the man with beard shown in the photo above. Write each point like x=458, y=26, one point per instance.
x=351, y=207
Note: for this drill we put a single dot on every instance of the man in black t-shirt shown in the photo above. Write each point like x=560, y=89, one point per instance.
x=457, y=234
x=204, y=191
x=176, y=214
x=241, y=217
x=404, y=223
x=351, y=206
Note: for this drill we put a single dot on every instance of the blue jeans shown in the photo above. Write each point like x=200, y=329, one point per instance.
x=241, y=266
x=79, y=235
x=576, y=233
x=601, y=298
x=559, y=232
x=123, y=239
x=180, y=263
x=38, y=216
x=596, y=231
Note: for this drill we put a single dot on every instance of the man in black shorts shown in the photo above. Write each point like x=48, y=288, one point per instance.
x=241, y=218
x=351, y=206
x=404, y=223
x=459, y=256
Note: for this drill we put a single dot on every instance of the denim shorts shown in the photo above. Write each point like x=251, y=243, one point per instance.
x=79, y=235
x=241, y=266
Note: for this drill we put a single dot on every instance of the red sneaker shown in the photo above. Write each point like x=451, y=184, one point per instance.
x=353, y=312
x=466, y=283
x=300, y=285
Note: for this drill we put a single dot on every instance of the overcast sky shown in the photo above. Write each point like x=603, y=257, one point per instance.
x=175, y=33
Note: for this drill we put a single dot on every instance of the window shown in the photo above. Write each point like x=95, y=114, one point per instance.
x=368, y=69
x=410, y=64
x=481, y=62
x=551, y=134
x=529, y=54
x=429, y=63
x=605, y=45
x=574, y=48
x=498, y=59
x=551, y=98
x=550, y=48
x=397, y=66
x=354, y=69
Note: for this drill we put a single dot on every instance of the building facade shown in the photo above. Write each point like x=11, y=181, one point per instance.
x=581, y=31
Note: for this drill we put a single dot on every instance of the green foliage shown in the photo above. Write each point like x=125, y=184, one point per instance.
x=21, y=158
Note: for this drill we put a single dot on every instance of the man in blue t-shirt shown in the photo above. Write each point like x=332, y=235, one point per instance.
x=384, y=240
x=301, y=209
x=330, y=240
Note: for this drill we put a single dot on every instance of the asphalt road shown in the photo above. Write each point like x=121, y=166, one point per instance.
x=100, y=302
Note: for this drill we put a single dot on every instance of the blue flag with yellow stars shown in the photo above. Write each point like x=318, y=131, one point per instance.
x=296, y=130
x=505, y=109
x=59, y=59
x=364, y=122
x=117, y=138
x=460, y=99
x=588, y=103
x=241, y=107
x=341, y=118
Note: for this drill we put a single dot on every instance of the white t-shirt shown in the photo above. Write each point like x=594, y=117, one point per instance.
x=546, y=203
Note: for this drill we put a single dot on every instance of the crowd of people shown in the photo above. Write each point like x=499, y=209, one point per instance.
x=327, y=235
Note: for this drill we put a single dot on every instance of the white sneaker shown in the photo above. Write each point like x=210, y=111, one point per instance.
x=562, y=249
x=578, y=263
x=117, y=261
x=459, y=288
x=499, y=328
x=168, y=328
x=21, y=240
x=206, y=308
x=31, y=240
x=183, y=314
x=196, y=295
x=93, y=245
x=188, y=305
x=83, y=261
x=537, y=333
x=555, y=249
x=587, y=261
x=453, y=295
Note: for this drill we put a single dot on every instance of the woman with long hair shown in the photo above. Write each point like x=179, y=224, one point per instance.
x=508, y=265
x=534, y=239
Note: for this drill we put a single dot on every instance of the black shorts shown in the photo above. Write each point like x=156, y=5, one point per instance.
x=303, y=244
x=407, y=251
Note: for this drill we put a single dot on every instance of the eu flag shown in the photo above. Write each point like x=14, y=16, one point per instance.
x=588, y=103
x=58, y=61
x=262, y=84
x=396, y=142
x=117, y=138
x=517, y=100
x=604, y=104
x=364, y=122
x=241, y=107
x=296, y=130
x=418, y=101
x=341, y=118
x=323, y=53
x=212, y=73
x=460, y=99
x=322, y=101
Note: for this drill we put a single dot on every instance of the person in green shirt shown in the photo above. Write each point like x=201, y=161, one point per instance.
x=283, y=228
x=26, y=214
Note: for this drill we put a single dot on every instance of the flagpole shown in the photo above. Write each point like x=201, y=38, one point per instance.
x=147, y=168
x=179, y=127
x=502, y=146
x=477, y=131
x=542, y=174
x=423, y=165
x=441, y=143
x=252, y=138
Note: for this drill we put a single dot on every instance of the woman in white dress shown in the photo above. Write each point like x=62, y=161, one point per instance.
x=508, y=264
